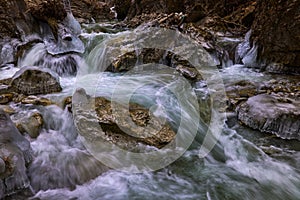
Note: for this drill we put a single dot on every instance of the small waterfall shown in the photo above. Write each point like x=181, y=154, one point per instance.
x=246, y=52
x=60, y=159
x=7, y=51
x=61, y=55
x=64, y=65
x=68, y=35
x=70, y=21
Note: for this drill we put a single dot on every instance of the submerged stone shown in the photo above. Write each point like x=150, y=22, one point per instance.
x=5, y=98
x=34, y=100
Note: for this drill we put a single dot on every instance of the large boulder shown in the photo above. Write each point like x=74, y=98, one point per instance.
x=128, y=61
x=272, y=114
x=126, y=127
x=276, y=30
x=33, y=80
x=117, y=122
x=15, y=154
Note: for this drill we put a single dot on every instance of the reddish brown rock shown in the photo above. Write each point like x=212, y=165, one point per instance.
x=45, y=10
x=147, y=128
x=88, y=10
x=276, y=29
x=11, y=11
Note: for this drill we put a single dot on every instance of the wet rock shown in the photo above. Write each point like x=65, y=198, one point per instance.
x=239, y=92
x=196, y=13
x=6, y=108
x=272, y=114
x=2, y=166
x=284, y=86
x=66, y=37
x=67, y=103
x=140, y=122
x=19, y=97
x=11, y=134
x=21, y=195
x=129, y=60
x=200, y=20
x=5, y=81
x=122, y=8
x=32, y=124
x=242, y=88
x=188, y=72
x=125, y=127
x=184, y=67
x=16, y=153
x=125, y=62
x=34, y=100
x=33, y=80
x=195, y=9
x=271, y=150
x=279, y=68
x=12, y=13
x=5, y=98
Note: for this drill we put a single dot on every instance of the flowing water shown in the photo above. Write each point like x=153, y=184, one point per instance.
x=236, y=168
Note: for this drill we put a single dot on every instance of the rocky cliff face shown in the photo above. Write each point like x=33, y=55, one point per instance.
x=194, y=9
x=17, y=16
x=276, y=29
x=89, y=10
x=275, y=24
x=11, y=11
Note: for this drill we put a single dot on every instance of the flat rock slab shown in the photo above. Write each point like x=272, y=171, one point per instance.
x=272, y=114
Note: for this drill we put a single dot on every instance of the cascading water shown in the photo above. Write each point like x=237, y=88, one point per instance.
x=61, y=52
x=63, y=65
x=237, y=168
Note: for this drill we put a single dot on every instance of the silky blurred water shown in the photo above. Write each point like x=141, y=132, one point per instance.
x=237, y=168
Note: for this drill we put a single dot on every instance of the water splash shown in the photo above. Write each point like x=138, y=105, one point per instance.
x=59, y=152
